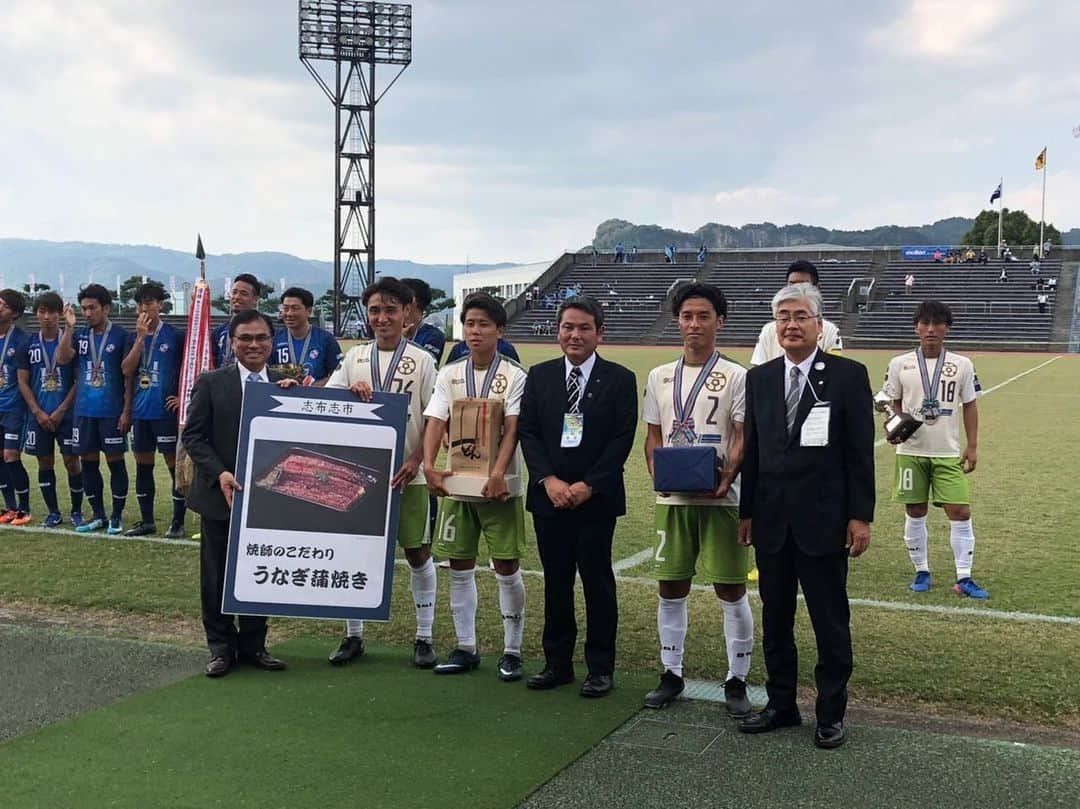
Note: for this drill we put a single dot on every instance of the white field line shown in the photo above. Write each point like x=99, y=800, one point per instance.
x=894, y=606
x=632, y=561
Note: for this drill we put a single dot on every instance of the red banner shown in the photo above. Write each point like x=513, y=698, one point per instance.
x=197, y=354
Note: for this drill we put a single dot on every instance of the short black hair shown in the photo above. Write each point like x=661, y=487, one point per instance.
x=14, y=299
x=802, y=265
x=250, y=316
x=707, y=291
x=98, y=293
x=391, y=287
x=251, y=281
x=150, y=292
x=487, y=304
x=421, y=290
x=586, y=304
x=49, y=301
x=933, y=312
x=304, y=295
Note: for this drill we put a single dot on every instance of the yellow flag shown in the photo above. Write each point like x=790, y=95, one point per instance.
x=1040, y=161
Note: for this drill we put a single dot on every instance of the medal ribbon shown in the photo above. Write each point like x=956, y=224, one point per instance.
x=684, y=420
x=303, y=350
x=96, y=365
x=930, y=387
x=148, y=355
x=489, y=378
x=49, y=361
x=376, y=374
x=3, y=352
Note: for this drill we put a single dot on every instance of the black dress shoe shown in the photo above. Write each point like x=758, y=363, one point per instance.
x=830, y=736
x=347, y=651
x=218, y=666
x=262, y=660
x=770, y=719
x=597, y=685
x=550, y=678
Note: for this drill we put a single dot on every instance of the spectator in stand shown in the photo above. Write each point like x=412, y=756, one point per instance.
x=1046, y=249
x=938, y=256
x=1004, y=277
x=702, y=254
x=1035, y=266
x=669, y=254
x=528, y=299
x=595, y=256
x=1007, y=254
x=969, y=255
x=633, y=254
x=983, y=258
x=909, y=283
x=620, y=253
x=1041, y=299
x=1051, y=284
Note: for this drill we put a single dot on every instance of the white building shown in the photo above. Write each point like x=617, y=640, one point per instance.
x=507, y=283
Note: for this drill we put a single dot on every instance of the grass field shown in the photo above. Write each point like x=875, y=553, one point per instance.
x=1012, y=657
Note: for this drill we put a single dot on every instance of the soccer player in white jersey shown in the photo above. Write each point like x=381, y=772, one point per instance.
x=390, y=363
x=499, y=514
x=768, y=344
x=938, y=387
x=700, y=399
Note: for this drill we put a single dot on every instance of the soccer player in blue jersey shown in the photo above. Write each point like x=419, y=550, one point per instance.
x=244, y=294
x=313, y=349
x=102, y=402
x=48, y=389
x=430, y=338
x=461, y=350
x=154, y=363
x=14, y=481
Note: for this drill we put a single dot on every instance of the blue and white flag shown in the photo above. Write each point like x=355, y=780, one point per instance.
x=996, y=194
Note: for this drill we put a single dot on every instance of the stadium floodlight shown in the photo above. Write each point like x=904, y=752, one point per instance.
x=354, y=36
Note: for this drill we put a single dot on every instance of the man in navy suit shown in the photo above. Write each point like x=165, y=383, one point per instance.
x=577, y=425
x=806, y=505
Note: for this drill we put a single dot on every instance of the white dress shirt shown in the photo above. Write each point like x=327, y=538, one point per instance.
x=804, y=368
x=586, y=369
x=246, y=372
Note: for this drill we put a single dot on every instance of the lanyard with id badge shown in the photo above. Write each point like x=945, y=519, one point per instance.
x=815, y=428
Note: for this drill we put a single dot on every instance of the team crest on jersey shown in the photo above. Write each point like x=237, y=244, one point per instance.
x=11, y=352
x=407, y=366
x=949, y=370
x=716, y=382
x=110, y=348
x=498, y=384
x=313, y=354
x=164, y=348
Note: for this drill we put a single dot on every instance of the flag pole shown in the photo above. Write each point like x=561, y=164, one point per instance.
x=1001, y=213
x=1042, y=216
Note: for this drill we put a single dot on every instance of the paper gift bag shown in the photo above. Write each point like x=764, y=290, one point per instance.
x=476, y=426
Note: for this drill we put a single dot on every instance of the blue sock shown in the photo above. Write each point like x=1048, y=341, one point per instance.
x=75, y=484
x=6, y=488
x=20, y=481
x=46, y=479
x=145, y=491
x=118, y=482
x=94, y=486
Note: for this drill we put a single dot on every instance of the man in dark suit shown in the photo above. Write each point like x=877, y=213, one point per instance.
x=210, y=436
x=806, y=506
x=577, y=424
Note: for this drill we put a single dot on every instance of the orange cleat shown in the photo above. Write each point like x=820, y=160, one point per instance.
x=22, y=518
x=8, y=516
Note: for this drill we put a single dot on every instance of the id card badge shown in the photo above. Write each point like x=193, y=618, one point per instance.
x=573, y=427
x=815, y=430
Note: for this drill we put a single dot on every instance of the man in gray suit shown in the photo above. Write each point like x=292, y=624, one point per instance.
x=210, y=437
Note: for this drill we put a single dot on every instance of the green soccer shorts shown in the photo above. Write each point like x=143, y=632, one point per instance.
x=461, y=523
x=686, y=535
x=413, y=518
x=938, y=480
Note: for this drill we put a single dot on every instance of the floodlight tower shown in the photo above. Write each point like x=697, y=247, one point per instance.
x=355, y=36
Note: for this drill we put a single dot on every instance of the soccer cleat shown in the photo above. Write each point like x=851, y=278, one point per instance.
x=349, y=650
x=459, y=662
x=423, y=656
x=967, y=587
x=176, y=531
x=54, y=519
x=671, y=685
x=921, y=583
x=8, y=516
x=510, y=668
x=22, y=518
x=735, y=698
x=140, y=529
x=77, y=519
x=95, y=524
x=115, y=526
x=752, y=575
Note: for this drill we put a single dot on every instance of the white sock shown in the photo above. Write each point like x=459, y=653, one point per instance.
x=962, y=539
x=739, y=636
x=463, y=607
x=512, y=605
x=672, y=619
x=422, y=585
x=916, y=540
x=354, y=628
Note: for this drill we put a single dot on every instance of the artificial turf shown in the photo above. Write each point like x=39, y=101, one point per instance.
x=377, y=733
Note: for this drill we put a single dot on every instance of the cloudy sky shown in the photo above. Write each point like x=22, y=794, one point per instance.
x=521, y=125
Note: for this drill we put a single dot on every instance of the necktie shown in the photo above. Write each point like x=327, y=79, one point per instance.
x=573, y=390
x=254, y=377
x=792, y=400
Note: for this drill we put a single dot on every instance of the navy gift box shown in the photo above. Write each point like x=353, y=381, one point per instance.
x=689, y=470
